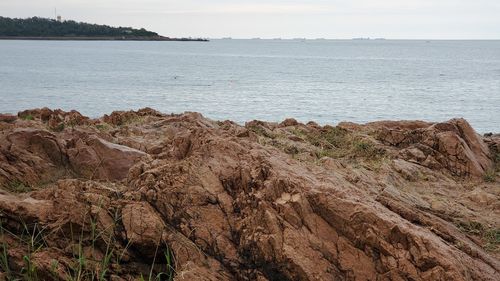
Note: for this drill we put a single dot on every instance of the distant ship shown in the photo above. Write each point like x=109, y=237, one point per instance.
x=226, y=38
x=361, y=38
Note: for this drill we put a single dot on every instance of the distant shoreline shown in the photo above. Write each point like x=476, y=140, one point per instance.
x=101, y=38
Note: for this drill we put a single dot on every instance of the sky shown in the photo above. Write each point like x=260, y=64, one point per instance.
x=392, y=19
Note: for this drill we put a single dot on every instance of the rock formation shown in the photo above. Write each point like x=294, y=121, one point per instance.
x=146, y=195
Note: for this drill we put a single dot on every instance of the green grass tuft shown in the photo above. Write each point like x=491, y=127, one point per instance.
x=102, y=127
x=490, y=176
x=490, y=236
x=366, y=149
x=18, y=187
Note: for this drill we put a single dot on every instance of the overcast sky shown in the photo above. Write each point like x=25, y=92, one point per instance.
x=404, y=19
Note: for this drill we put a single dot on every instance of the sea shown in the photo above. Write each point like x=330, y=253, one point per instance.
x=327, y=81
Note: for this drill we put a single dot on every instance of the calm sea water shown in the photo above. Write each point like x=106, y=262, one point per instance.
x=322, y=80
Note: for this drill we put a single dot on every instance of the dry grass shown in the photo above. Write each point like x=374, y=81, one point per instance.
x=18, y=187
x=490, y=236
x=333, y=142
x=83, y=265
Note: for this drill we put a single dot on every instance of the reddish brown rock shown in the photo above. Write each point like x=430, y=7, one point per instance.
x=143, y=227
x=289, y=122
x=34, y=157
x=452, y=145
x=7, y=118
x=215, y=202
x=56, y=120
x=30, y=156
x=119, y=118
x=96, y=158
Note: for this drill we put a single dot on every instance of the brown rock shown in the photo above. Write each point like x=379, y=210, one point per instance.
x=96, y=158
x=222, y=204
x=32, y=156
x=289, y=122
x=57, y=119
x=143, y=227
x=7, y=118
x=453, y=144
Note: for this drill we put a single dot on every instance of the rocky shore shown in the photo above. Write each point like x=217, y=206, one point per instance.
x=141, y=195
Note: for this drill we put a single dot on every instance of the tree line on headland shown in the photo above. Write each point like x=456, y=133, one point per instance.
x=42, y=27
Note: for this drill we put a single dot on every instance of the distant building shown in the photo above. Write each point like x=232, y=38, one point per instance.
x=59, y=18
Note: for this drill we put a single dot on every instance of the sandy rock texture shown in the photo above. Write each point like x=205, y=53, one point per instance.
x=141, y=194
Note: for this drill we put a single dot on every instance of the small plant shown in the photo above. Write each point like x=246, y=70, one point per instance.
x=490, y=176
x=362, y=146
x=471, y=227
x=101, y=127
x=90, y=239
x=299, y=133
x=4, y=255
x=31, y=236
x=59, y=128
x=170, y=268
x=18, y=187
x=29, y=271
x=324, y=153
x=366, y=149
x=35, y=242
x=54, y=266
x=491, y=236
x=170, y=265
x=28, y=117
x=332, y=137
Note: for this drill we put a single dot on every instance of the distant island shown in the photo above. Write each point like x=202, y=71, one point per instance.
x=36, y=28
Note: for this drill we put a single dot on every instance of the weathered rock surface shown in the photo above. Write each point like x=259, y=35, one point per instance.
x=140, y=192
x=95, y=158
x=451, y=145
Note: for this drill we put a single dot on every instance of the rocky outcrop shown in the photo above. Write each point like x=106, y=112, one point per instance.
x=119, y=118
x=30, y=156
x=202, y=200
x=55, y=119
x=36, y=156
x=451, y=145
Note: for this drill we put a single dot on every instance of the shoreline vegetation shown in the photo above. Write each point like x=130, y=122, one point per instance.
x=36, y=28
x=101, y=38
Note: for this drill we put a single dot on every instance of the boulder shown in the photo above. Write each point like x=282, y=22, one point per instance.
x=451, y=145
x=95, y=158
x=144, y=228
x=289, y=122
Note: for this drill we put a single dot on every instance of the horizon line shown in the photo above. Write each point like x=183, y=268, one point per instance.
x=352, y=39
